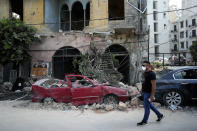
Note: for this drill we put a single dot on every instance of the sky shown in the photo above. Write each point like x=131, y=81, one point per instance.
x=176, y=2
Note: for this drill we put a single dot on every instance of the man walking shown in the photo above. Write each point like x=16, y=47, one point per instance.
x=148, y=91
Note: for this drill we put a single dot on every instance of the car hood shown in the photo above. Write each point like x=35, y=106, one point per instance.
x=115, y=90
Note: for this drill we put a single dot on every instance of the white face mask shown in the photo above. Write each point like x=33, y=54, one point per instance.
x=143, y=68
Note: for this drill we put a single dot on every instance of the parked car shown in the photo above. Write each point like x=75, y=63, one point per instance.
x=178, y=86
x=77, y=89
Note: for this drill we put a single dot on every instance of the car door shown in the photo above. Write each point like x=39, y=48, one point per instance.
x=194, y=83
x=85, y=92
x=188, y=81
x=60, y=92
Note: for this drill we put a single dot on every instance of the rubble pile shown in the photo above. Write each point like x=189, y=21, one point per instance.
x=134, y=103
x=6, y=87
x=133, y=91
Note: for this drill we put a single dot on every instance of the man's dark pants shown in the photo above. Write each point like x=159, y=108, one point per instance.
x=147, y=106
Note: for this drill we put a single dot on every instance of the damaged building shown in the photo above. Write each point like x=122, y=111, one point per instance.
x=69, y=27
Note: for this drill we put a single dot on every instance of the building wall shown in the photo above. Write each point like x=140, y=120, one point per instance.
x=132, y=18
x=187, y=4
x=174, y=15
x=186, y=39
x=51, y=17
x=163, y=33
x=34, y=13
x=4, y=8
x=98, y=14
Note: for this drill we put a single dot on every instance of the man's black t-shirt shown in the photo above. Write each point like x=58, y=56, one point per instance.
x=147, y=86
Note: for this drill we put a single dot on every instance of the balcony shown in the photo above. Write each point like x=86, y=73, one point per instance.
x=174, y=40
x=173, y=31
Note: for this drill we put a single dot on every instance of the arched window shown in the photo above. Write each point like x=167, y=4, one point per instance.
x=63, y=61
x=121, y=55
x=77, y=16
x=87, y=13
x=65, y=16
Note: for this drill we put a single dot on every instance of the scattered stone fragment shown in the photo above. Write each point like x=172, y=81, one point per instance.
x=86, y=107
x=27, y=89
x=157, y=104
x=122, y=106
x=74, y=108
x=109, y=107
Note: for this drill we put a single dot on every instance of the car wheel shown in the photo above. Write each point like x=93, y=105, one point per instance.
x=110, y=100
x=48, y=100
x=173, y=98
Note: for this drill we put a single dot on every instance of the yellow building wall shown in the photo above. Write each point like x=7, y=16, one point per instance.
x=98, y=14
x=34, y=13
x=4, y=8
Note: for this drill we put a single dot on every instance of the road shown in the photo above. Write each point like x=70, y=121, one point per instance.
x=23, y=119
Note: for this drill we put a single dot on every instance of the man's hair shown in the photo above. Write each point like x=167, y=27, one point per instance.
x=147, y=62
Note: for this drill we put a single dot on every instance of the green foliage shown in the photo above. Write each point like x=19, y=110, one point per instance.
x=15, y=39
x=156, y=64
x=193, y=51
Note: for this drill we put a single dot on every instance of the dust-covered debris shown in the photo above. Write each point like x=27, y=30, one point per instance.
x=132, y=90
x=109, y=107
x=122, y=106
x=27, y=89
x=6, y=87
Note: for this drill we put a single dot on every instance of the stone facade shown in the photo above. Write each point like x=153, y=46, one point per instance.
x=127, y=33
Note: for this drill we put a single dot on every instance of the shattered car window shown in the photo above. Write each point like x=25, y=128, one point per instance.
x=53, y=83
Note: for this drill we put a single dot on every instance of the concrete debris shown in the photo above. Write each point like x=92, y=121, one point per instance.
x=109, y=107
x=157, y=104
x=173, y=108
x=86, y=107
x=8, y=86
x=27, y=89
x=132, y=90
x=122, y=106
x=134, y=102
x=74, y=108
x=17, y=91
x=5, y=87
x=139, y=86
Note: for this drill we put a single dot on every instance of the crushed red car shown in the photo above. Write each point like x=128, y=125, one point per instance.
x=78, y=90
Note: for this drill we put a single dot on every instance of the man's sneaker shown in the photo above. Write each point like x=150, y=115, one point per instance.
x=141, y=123
x=160, y=118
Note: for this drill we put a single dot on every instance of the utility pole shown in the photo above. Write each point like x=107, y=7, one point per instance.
x=148, y=40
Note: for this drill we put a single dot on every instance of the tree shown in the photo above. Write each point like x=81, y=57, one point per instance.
x=91, y=65
x=15, y=40
x=193, y=51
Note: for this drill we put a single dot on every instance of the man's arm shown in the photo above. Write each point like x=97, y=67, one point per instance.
x=153, y=82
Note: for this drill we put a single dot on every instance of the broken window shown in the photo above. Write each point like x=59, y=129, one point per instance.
x=65, y=18
x=87, y=14
x=77, y=16
x=16, y=9
x=121, y=60
x=116, y=9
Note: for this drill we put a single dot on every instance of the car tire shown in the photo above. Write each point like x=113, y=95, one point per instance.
x=111, y=100
x=48, y=100
x=173, y=98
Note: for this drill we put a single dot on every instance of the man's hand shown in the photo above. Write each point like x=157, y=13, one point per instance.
x=152, y=98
